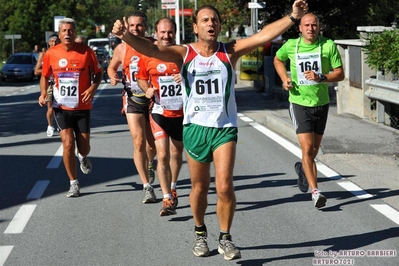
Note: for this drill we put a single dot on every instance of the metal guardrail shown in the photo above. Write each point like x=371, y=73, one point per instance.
x=382, y=90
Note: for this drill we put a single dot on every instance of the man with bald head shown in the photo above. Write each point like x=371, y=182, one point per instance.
x=311, y=58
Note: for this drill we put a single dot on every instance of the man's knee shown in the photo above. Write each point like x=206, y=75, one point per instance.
x=225, y=190
x=162, y=158
x=68, y=145
x=200, y=188
x=176, y=155
x=139, y=143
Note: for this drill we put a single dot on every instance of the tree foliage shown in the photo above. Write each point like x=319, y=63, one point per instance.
x=382, y=51
x=32, y=18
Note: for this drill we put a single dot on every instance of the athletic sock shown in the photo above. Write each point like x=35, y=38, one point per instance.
x=315, y=190
x=223, y=233
x=200, y=229
x=172, y=185
x=166, y=196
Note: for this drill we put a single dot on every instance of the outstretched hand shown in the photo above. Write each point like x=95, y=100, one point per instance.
x=120, y=29
x=299, y=8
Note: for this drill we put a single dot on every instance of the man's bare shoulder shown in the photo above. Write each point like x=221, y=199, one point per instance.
x=40, y=56
x=121, y=47
x=119, y=51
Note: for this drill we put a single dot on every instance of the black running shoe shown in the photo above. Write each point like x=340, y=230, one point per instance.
x=303, y=184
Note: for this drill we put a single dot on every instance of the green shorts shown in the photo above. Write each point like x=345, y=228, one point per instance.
x=200, y=142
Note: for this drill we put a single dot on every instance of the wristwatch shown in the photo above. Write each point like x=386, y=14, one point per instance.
x=322, y=77
x=296, y=21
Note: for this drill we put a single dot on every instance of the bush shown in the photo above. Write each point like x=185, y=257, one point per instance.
x=382, y=50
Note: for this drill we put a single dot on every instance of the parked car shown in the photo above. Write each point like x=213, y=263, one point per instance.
x=19, y=66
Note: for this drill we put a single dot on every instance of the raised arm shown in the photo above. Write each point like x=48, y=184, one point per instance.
x=269, y=32
x=144, y=46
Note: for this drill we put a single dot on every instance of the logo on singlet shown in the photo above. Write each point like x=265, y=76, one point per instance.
x=134, y=58
x=63, y=62
x=161, y=68
x=199, y=108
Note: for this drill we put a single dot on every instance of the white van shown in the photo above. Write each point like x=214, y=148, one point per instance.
x=98, y=42
x=103, y=44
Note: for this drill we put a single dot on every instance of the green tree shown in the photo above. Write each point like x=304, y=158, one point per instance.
x=232, y=13
x=382, y=50
x=32, y=18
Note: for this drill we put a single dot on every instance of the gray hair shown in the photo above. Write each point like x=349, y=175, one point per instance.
x=140, y=14
x=67, y=21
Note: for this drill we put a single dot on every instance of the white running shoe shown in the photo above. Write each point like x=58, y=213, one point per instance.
x=200, y=247
x=74, y=190
x=85, y=163
x=228, y=249
x=50, y=131
x=149, y=195
x=318, y=199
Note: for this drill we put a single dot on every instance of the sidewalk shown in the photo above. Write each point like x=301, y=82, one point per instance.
x=361, y=151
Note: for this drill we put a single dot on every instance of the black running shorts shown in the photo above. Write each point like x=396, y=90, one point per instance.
x=79, y=120
x=309, y=119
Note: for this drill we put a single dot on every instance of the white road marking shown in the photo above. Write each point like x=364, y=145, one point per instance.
x=56, y=160
x=38, y=190
x=388, y=211
x=20, y=90
x=280, y=140
x=99, y=91
x=384, y=209
x=355, y=190
x=246, y=119
x=20, y=219
x=328, y=172
x=4, y=253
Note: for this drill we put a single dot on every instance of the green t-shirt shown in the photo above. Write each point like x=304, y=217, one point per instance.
x=310, y=95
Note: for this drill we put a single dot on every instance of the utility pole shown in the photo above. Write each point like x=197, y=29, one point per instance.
x=254, y=6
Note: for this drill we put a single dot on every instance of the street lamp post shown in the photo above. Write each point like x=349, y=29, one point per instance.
x=182, y=20
x=177, y=20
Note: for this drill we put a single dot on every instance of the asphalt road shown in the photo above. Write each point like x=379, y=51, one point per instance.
x=274, y=224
